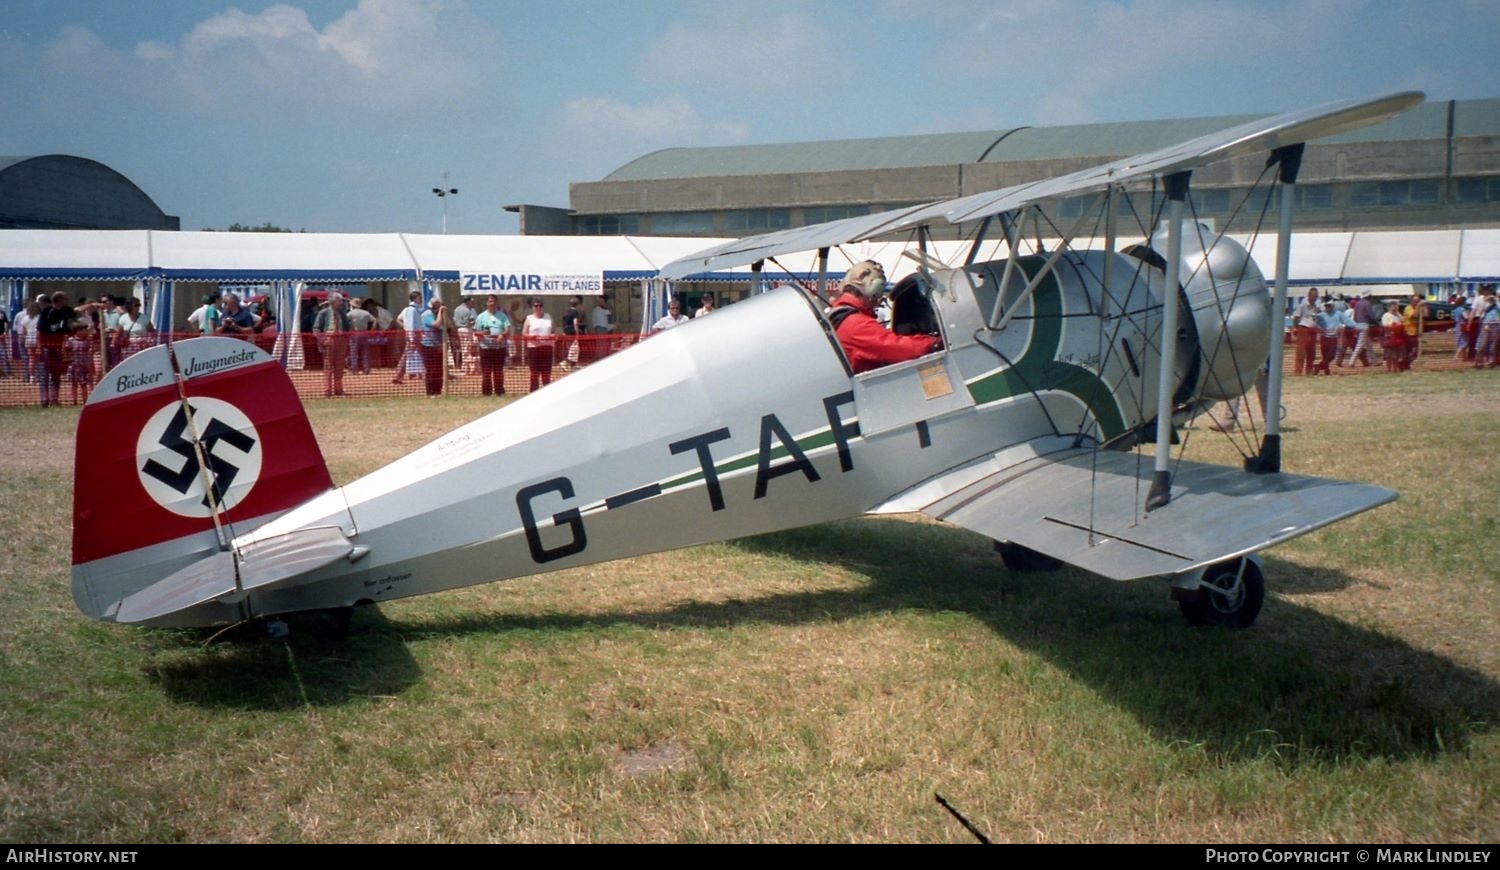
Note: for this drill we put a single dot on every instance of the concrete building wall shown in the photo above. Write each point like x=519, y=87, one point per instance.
x=541, y=220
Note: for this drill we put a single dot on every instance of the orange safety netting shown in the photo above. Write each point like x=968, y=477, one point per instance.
x=355, y=365
x=379, y=364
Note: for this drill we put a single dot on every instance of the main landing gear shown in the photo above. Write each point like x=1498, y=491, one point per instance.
x=1230, y=594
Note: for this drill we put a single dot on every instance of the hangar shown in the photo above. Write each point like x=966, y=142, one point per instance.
x=62, y=192
x=1434, y=168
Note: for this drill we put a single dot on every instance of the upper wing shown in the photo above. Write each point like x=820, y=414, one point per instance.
x=808, y=238
x=1084, y=507
x=1253, y=136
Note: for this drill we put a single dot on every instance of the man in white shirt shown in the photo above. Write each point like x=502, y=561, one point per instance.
x=1305, y=334
x=411, y=322
x=674, y=317
x=25, y=330
x=206, y=319
x=361, y=322
x=464, y=356
x=601, y=322
x=601, y=319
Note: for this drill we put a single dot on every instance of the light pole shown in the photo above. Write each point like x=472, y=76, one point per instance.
x=443, y=193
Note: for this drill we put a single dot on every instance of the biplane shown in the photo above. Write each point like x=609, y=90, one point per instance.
x=1045, y=421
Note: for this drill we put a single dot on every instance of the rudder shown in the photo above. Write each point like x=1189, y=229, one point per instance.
x=180, y=448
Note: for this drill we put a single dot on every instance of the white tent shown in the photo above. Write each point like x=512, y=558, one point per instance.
x=1368, y=257
x=75, y=254
x=269, y=256
x=1479, y=255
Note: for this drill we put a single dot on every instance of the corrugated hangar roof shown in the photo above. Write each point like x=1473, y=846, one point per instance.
x=884, y=153
x=1428, y=121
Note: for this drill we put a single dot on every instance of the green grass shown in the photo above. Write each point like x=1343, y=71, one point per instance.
x=815, y=685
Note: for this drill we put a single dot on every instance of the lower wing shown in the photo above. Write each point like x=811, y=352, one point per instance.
x=1085, y=507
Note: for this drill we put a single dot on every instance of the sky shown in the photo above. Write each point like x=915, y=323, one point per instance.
x=342, y=115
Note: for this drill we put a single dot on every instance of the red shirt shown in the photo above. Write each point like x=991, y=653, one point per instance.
x=868, y=345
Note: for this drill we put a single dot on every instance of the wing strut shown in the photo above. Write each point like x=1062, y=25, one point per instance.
x=1166, y=385
x=1269, y=459
x=1062, y=248
x=1008, y=226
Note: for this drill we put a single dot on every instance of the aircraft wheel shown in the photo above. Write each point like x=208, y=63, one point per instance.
x=1226, y=597
x=1019, y=558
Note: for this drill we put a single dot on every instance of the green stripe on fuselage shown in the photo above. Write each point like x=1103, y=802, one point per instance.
x=807, y=443
x=1039, y=368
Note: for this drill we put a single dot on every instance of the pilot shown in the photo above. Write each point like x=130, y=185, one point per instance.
x=866, y=343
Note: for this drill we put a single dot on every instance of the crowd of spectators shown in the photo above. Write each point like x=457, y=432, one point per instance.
x=55, y=341
x=1335, y=332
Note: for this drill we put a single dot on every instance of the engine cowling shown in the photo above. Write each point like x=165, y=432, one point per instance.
x=1230, y=304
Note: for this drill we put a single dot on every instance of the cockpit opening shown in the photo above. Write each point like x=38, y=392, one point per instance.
x=911, y=309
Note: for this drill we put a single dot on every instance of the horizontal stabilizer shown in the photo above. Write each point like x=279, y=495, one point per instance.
x=265, y=563
x=1085, y=507
x=262, y=564
x=200, y=582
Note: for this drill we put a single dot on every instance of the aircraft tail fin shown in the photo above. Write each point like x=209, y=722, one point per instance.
x=179, y=449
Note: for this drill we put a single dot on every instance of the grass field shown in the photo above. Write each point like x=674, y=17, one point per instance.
x=816, y=685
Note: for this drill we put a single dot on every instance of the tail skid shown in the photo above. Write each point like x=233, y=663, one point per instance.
x=181, y=448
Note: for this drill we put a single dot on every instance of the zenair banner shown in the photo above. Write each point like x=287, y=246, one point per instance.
x=531, y=283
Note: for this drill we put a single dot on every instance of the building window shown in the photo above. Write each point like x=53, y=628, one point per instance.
x=1072, y=207
x=1393, y=193
x=1314, y=196
x=1479, y=189
x=757, y=219
x=1253, y=200
x=823, y=214
x=682, y=223
x=608, y=224
x=1426, y=192
x=1369, y=194
x=1210, y=201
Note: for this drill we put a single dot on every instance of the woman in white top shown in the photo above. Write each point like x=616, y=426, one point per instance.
x=1393, y=337
x=538, y=333
x=135, y=327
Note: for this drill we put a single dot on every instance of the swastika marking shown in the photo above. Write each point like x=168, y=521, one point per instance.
x=169, y=467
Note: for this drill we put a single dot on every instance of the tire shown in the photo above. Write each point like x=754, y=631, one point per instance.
x=1217, y=605
x=1019, y=558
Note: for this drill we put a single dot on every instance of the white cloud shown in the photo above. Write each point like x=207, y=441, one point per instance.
x=154, y=51
x=1077, y=61
x=604, y=133
x=669, y=120
x=744, y=47
x=381, y=55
